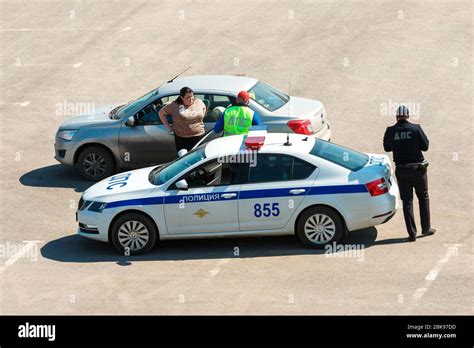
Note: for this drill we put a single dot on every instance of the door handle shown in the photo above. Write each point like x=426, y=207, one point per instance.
x=297, y=191
x=228, y=195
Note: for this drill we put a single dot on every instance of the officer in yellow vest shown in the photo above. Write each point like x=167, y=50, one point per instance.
x=237, y=119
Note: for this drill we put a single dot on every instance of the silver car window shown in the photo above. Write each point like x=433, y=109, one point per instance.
x=125, y=110
x=267, y=96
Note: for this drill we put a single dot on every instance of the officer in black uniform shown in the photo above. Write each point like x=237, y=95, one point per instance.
x=407, y=141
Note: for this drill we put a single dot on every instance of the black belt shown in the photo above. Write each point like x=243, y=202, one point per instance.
x=421, y=165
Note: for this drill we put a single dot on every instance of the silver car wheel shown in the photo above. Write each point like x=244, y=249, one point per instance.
x=319, y=228
x=133, y=234
x=94, y=165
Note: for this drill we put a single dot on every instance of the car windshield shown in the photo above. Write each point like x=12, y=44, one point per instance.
x=340, y=155
x=162, y=174
x=125, y=109
x=267, y=96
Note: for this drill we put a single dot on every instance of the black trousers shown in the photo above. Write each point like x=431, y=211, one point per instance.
x=409, y=179
x=186, y=143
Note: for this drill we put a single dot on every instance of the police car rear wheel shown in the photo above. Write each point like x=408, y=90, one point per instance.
x=134, y=233
x=95, y=163
x=319, y=226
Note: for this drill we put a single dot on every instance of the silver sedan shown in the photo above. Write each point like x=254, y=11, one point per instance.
x=132, y=136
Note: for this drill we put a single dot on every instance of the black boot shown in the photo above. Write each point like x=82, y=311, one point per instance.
x=429, y=232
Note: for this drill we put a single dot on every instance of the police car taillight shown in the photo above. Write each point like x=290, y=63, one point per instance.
x=377, y=187
x=301, y=126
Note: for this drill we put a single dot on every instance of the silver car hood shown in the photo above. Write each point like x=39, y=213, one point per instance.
x=299, y=107
x=101, y=116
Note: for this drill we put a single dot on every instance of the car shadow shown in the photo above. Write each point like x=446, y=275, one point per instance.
x=58, y=176
x=75, y=248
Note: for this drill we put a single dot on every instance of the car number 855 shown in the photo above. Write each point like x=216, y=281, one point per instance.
x=266, y=209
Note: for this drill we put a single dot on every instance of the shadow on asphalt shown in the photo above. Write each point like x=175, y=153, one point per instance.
x=75, y=248
x=56, y=175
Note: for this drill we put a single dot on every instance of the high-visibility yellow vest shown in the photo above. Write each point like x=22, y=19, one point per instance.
x=237, y=120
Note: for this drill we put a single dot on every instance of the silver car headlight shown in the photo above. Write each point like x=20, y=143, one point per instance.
x=66, y=134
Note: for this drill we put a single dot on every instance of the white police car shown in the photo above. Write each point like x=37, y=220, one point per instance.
x=255, y=185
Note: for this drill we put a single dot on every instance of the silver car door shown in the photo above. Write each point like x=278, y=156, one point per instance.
x=147, y=142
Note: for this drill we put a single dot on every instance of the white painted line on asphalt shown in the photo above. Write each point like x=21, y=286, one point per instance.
x=419, y=293
x=64, y=29
x=25, y=103
x=433, y=274
x=215, y=270
x=45, y=65
x=23, y=250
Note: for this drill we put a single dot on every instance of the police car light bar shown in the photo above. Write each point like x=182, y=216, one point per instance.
x=256, y=137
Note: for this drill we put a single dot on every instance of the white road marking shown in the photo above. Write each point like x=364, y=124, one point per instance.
x=433, y=274
x=25, y=103
x=419, y=293
x=64, y=29
x=215, y=270
x=45, y=65
x=19, y=254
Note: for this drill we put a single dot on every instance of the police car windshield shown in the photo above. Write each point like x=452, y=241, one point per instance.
x=162, y=174
x=267, y=96
x=340, y=155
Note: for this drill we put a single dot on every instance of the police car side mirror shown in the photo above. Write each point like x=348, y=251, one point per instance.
x=182, y=152
x=130, y=121
x=182, y=185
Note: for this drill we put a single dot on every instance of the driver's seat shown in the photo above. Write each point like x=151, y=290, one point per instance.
x=207, y=103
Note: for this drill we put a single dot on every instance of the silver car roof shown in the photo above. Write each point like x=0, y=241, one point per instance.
x=228, y=83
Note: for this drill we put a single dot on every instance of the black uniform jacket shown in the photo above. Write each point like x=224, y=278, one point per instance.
x=407, y=141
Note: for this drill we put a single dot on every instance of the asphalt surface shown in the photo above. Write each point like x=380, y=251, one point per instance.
x=358, y=58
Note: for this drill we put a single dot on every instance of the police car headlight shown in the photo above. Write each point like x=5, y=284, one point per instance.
x=97, y=207
x=66, y=134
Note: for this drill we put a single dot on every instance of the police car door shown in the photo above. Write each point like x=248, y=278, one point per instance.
x=274, y=188
x=209, y=204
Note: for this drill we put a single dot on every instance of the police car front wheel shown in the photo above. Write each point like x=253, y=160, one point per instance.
x=319, y=226
x=133, y=234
